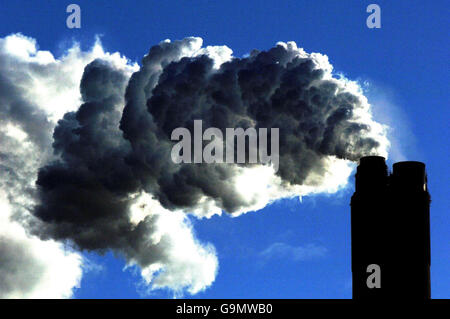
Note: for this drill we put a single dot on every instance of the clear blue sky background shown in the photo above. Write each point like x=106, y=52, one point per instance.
x=406, y=62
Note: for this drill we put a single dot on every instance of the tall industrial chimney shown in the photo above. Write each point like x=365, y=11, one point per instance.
x=390, y=227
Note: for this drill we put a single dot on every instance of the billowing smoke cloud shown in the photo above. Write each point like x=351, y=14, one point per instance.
x=46, y=90
x=319, y=118
x=87, y=195
x=29, y=79
x=35, y=90
x=111, y=184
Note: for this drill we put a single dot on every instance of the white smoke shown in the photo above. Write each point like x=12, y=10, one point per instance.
x=45, y=88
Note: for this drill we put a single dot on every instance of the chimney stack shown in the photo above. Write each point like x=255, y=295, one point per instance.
x=390, y=229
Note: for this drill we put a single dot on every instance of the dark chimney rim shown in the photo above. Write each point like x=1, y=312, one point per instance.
x=371, y=159
x=409, y=164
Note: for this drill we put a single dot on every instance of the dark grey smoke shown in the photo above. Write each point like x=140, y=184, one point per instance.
x=107, y=155
x=268, y=89
x=85, y=195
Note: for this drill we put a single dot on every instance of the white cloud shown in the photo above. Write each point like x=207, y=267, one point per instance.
x=44, y=88
x=296, y=253
x=33, y=268
x=186, y=263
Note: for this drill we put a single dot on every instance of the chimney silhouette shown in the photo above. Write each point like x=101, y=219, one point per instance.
x=390, y=229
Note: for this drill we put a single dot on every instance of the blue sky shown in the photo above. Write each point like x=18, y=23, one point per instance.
x=406, y=65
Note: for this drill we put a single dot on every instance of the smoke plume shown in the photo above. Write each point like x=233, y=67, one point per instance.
x=105, y=179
